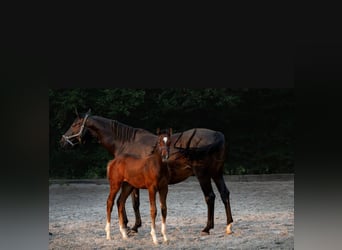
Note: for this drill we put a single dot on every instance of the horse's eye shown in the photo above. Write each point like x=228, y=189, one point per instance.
x=76, y=124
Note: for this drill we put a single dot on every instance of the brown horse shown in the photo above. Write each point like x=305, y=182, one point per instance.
x=150, y=173
x=198, y=152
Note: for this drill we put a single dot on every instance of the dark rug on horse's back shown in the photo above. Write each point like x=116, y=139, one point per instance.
x=198, y=140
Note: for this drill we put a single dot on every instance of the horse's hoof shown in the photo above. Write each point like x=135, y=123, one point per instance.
x=131, y=232
x=167, y=241
x=204, y=233
x=229, y=229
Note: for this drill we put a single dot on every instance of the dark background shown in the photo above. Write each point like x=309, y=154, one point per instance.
x=258, y=124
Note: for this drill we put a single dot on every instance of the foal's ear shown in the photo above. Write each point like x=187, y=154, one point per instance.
x=89, y=111
x=158, y=131
x=170, y=131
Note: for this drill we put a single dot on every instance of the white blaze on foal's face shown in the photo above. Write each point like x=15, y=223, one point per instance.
x=165, y=139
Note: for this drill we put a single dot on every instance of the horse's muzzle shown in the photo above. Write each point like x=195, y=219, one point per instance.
x=63, y=143
x=69, y=141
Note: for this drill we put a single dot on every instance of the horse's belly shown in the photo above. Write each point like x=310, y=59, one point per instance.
x=179, y=173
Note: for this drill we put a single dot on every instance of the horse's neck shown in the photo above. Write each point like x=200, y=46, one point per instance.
x=117, y=137
x=100, y=128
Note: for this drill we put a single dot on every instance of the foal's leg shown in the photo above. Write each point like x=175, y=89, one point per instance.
x=209, y=195
x=126, y=189
x=153, y=211
x=114, y=188
x=162, y=196
x=124, y=212
x=124, y=209
x=221, y=186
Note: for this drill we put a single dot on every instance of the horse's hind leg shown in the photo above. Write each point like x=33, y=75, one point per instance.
x=205, y=183
x=222, y=188
x=126, y=189
x=163, y=207
x=114, y=188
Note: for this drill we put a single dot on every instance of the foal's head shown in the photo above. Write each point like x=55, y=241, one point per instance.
x=163, y=143
x=76, y=131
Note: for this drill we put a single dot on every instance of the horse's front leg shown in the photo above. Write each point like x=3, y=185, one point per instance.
x=136, y=203
x=163, y=207
x=114, y=188
x=153, y=211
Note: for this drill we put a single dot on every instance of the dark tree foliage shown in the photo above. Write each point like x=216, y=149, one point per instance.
x=258, y=124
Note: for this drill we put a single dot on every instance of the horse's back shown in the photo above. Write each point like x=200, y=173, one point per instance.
x=197, y=138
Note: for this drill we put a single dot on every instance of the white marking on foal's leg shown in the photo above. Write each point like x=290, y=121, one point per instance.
x=164, y=232
x=123, y=232
x=229, y=229
x=107, y=228
x=154, y=236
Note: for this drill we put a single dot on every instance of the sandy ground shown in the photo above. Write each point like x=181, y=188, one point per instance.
x=263, y=214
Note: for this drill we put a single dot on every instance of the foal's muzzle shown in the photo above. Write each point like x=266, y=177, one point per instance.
x=165, y=155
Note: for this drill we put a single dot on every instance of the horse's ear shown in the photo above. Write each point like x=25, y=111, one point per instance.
x=170, y=131
x=76, y=112
x=89, y=111
x=158, y=131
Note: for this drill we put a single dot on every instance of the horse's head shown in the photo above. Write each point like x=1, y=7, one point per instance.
x=76, y=131
x=164, y=141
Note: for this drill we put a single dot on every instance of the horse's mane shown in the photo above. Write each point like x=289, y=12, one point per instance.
x=122, y=131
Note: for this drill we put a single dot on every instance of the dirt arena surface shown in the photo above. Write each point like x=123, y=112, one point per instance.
x=263, y=213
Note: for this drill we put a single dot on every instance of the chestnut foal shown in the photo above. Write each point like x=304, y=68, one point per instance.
x=150, y=173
